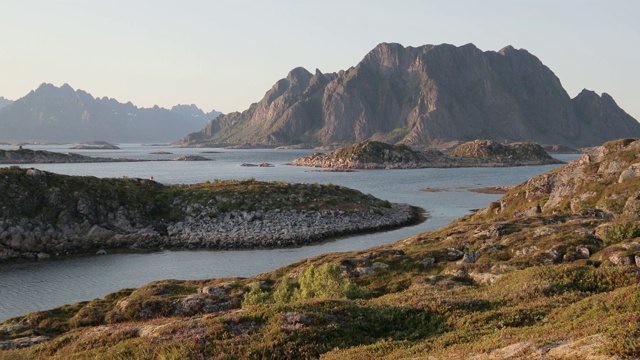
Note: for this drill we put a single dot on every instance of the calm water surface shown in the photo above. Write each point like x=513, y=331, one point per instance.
x=43, y=285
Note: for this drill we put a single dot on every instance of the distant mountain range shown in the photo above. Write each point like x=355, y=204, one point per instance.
x=62, y=114
x=432, y=95
x=4, y=102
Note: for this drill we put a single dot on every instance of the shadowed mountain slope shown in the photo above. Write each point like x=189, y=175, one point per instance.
x=434, y=95
x=62, y=114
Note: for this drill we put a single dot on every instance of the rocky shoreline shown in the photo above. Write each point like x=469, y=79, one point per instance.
x=233, y=230
x=134, y=214
x=27, y=156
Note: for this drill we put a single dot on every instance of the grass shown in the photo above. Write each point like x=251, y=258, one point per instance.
x=406, y=306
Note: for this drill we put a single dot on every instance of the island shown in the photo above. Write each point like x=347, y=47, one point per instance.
x=95, y=145
x=46, y=214
x=549, y=271
x=28, y=156
x=478, y=153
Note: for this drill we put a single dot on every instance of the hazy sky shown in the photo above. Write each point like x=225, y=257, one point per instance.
x=225, y=55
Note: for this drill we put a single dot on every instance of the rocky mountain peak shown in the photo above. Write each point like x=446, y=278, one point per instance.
x=62, y=114
x=507, y=49
x=4, y=102
x=429, y=95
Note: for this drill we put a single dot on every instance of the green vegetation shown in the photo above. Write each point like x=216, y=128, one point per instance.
x=534, y=275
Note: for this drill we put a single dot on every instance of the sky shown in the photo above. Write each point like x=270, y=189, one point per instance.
x=225, y=54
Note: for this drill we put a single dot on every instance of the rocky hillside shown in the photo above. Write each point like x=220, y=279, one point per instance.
x=548, y=272
x=44, y=214
x=378, y=155
x=429, y=96
x=62, y=114
x=508, y=154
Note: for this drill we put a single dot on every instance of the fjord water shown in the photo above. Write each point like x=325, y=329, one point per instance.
x=32, y=286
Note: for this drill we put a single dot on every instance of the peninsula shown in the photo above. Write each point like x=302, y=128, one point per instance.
x=46, y=214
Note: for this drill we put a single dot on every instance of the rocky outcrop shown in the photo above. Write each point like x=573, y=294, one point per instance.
x=27, y=156
x=45, y=214
x=515, y=154
x=377, y=155
x=62, y=114
x=431, y=96
x=95, y=145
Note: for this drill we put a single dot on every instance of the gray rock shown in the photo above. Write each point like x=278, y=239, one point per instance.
x=428, y=262
x=22, y=342
x=379, y=266
x=454, y=254
x=631, y=172
x=622, y=259
x=470, y=257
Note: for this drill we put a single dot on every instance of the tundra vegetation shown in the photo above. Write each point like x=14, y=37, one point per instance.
x=478, y=153
x=549, y=271
x=43, y=214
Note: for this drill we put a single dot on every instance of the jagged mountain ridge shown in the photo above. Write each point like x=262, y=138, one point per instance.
x=428, y=95
x=4, y=102
x=62, y=114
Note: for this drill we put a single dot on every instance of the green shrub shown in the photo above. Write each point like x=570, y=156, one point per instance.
x=284, y=292
x=325, y=282
x=256, y=295
x=617, y=232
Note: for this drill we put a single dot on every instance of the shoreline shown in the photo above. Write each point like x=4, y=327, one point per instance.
x=197, y=234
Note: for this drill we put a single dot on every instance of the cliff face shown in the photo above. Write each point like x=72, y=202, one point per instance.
x=63, y=114
x=427, y=95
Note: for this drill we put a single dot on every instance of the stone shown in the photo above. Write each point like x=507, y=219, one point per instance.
x=631, y=172
x=622, y=259
x=22, y=342
x=213, y=290
x=453, y=254
x=428, y=262
x=526, y=250
x=379, y=266
x=470, y=257
x=35, y=173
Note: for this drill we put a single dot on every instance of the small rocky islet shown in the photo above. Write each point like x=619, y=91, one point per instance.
x=551, y=270
x=46, y=214
x=28, y=156
x=478, y=153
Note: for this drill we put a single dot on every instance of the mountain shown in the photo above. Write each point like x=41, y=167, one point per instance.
x=4, y=102
x=62, y=114
x=429, y=95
